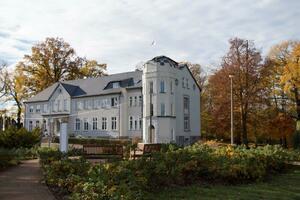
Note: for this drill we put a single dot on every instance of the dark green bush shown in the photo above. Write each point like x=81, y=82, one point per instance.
x=19, y=138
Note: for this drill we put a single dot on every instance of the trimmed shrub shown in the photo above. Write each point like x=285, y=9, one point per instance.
x=19, y=138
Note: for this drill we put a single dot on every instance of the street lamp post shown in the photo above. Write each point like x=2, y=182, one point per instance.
x=231, y=112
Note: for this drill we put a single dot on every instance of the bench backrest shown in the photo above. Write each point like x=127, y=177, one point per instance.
x=94, y=149
x=151, y=148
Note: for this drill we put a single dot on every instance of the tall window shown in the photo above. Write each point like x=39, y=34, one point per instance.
x=187, y=83
x=30, y=126
x=85, y=124
x=38, y=108
x=130, y=101
x=162, y=86
x=186, y=123
x=171, y=109
x=37, y=124
x=58, y=105
x=130, y=123
x=151, y=109
x=65, y=104
x=53, y=106
x=171, y=87
x=140, y=100
x=183, y=82
x=114, y=123
x=151, y=87
x=114, y=101
x=77, y=124
x=135, y=100
x=141, y=123
x=104, y=123
x=186, y=113
x=45, y=108
x=162, y=109
x=135, y=124
x=95, y=123
x=31, y=109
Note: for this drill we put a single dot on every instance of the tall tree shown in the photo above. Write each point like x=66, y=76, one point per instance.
x=3, y=79
x=243, y=61
x=284, y=61
x=16, y=90
x=55, y=60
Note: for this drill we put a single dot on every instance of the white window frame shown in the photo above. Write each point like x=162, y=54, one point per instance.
x=113, y=123
x=30, y=125
x=77, y=124
x=104, y=123
x=95, y=123
x=162, y=109
x=85, y=124
x=38, y=109
x=130, y=123
x=162, y=88
x=31, y=108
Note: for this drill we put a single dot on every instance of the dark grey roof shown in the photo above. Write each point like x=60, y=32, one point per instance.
x=93, y=86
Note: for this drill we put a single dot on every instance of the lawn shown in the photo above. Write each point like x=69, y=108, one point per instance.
x=281, y=186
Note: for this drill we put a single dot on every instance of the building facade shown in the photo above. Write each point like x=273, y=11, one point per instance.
x=160, y=104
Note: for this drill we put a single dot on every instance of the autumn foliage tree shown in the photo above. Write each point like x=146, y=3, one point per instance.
x=244, y=62
x=55, y=60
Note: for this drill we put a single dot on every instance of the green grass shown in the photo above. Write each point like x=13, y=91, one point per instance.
x=284, y=186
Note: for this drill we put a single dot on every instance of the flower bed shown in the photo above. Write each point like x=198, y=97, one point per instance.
x=133, y=179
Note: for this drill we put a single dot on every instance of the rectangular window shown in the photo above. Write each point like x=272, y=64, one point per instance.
x=95, y=123
x=85, y=124
x=162, y=87
x=186, y=113
x=187, y=83
x=171, y=87
x=90, y=104
x=186, y=105
x=151, y=109
x=31, y=109
x=114, y=101
x=113, y=123
x=58, y=105
x=141, y=123
x=30, y=126
x=116, y=85
x=135, y=101
x=45, y=108
x=37, y=124
x=135, y=124
x=151, y=87
x=38, y=108
x=65, y=104
x=186, y=123
x=77, y=124
x=130, y=101
x=162, y=109
x=85, y=104
x=104, y=123
x=171, y=109
x=130, y=123
x=140, y=100
x=98, y=103
x=183, y=82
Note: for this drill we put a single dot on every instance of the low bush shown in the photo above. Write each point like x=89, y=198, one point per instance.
x=133, y=179
x=103, y=141
x=19, y=138
x=11, y=157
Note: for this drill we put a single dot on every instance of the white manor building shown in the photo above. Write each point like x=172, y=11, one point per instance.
x=160, y=104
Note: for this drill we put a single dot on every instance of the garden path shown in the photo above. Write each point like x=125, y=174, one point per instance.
x=24, y=182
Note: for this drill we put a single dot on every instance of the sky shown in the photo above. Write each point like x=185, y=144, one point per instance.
x=120, y=33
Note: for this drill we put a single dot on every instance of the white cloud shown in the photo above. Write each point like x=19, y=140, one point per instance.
x=120, y=33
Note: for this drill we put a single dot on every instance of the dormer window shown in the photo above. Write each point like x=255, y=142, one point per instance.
x=116, y=85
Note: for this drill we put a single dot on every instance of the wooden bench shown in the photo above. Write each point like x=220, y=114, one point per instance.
x=94, y=151
x=145, y=150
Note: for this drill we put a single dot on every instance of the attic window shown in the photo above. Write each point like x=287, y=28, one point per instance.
x=59, y=90
x=116, y=85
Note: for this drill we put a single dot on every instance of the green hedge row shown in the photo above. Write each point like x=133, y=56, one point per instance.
x=99, y=141
x=134, y=179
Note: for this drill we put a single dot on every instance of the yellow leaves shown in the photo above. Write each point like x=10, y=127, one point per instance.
x=290, y=78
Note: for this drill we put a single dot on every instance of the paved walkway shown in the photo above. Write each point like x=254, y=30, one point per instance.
x=24, y=182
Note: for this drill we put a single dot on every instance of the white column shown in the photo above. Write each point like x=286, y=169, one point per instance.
x=63, y=142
